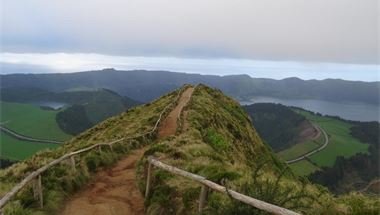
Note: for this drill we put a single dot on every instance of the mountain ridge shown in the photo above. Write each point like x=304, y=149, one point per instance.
x=146, y=85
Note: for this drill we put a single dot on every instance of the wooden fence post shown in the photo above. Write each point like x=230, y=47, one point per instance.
x=202, y=198
x=72, y=162
x=148, y=180
x=37, y=191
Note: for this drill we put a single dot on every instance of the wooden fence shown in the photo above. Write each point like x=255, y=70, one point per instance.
x=36, y=177
x=206, y=185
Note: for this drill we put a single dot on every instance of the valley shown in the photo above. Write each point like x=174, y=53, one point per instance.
x=215, y=140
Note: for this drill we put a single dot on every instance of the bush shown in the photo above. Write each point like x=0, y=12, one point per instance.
x=216, y=140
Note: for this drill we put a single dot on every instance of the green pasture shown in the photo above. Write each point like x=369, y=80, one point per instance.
x=341, y=143
x=300, y=149
x=303, y=168
x=31, y=120
x=14, y=149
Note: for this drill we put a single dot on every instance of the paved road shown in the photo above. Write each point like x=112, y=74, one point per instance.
x=315, y=150
x=26, y=138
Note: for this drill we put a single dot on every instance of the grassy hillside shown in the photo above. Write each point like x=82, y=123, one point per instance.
x=216, y=141
x=300, y=149
x=277, y=124
x=60, y=181
x=356, y=172
x=31, y=120
x=341, y=142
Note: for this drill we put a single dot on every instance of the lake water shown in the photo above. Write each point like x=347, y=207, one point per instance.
x=345, y=110
x=54, y=105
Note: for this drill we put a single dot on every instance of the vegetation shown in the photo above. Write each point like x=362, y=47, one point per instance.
x=73, y=120
x=61, y=181
x=300, y=149
x=303, y=167
x=217, y=141
x=277, y=124
x=14, y=149
x=31, y=121
x=221, y=145
x=341, y=142
x=356, y=172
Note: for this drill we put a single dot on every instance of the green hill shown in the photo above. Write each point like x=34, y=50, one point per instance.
x=215, y=139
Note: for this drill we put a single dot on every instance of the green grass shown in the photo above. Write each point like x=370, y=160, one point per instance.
x=299, y=149
x=303, y=168
x=341, y=143
x=14, y=149
x=31, y=121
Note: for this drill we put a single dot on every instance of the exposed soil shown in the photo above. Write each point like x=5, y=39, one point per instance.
x=114, y=191
x=169, y=125
x=308, y=132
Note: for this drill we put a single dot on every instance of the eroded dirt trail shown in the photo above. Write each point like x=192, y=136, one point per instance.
x=169, y=125
x=114, y=191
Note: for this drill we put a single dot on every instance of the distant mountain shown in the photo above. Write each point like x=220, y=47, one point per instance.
x=147, y=85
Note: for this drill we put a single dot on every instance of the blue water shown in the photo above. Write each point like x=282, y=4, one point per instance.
x=346, y=110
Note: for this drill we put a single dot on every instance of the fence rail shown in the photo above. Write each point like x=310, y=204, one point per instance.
x=206, y=184
x=37, y=188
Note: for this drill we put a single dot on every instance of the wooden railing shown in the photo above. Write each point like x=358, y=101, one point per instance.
x=36, y=175
x=206, y=185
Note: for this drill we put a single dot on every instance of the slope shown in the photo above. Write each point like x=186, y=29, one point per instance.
x=214, y=138
x=114, y=191
x=61, y=181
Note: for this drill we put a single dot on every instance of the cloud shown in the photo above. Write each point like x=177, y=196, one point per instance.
x=296, y=30
x=62, y=62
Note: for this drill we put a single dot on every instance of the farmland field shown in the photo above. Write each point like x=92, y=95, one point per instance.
x=30, y=120
x=15, y=149
x=341, y=143
x=303, y=168
x=300, y=149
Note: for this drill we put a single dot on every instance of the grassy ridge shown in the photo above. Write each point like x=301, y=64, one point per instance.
x=341, y=143
x=60, y=181
x=31, y=121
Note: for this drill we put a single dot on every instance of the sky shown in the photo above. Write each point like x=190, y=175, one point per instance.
x=272, y=38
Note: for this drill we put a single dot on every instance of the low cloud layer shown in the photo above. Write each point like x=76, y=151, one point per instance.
x=341, y=31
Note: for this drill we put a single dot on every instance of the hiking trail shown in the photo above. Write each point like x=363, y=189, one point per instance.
x=114, y=190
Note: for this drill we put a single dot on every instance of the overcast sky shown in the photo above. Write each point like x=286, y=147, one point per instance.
x=304, y=31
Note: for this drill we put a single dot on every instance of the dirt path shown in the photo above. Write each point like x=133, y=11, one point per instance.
x=169, y=125
x=313, y=151
x=114, y=191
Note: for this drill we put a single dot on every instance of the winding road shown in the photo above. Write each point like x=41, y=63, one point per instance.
x=26, y=138
x=315, y=150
